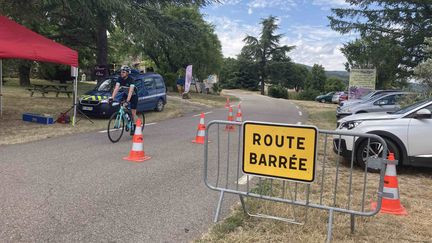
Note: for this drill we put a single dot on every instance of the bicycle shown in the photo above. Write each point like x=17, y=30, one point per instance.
x=120, y=121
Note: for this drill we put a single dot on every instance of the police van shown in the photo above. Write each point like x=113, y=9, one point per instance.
x=151, y=93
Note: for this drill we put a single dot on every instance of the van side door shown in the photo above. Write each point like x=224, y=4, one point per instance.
x=141, y=91
x=149, y=100
x=160, y=89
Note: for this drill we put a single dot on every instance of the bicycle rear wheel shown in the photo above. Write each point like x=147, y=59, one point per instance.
x=116, y=126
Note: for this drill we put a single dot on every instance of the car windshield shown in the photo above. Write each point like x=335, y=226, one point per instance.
x=411, y=107
x=367, y=96
x=106, y=85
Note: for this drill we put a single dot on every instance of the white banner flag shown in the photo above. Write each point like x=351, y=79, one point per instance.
x=188, y=78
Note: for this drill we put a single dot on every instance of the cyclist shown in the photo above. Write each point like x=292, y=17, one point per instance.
x=132, y=98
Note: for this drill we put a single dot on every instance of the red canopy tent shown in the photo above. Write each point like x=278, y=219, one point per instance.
x=16, y=41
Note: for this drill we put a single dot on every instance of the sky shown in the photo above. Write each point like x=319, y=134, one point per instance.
x=303, y=24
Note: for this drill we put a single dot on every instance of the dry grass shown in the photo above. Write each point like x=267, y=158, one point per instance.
x=414, y=185
x=210, y=100
x=17, y=101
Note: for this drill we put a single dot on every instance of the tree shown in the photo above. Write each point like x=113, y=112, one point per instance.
x=228, y=73
x=405, y=23
x=181, y=37
x=384, y=54
x=424, y=70
x=264, y=48
x=298, y=77
x=92, y=18
x=316, y=79
x=334, y=84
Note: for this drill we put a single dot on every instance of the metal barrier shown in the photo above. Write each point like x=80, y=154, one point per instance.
x=338, y=187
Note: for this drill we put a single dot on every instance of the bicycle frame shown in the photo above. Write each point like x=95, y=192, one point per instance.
x=122, y=115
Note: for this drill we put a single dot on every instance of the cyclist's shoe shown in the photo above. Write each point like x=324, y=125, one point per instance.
x=127, y=128
x=132, y=132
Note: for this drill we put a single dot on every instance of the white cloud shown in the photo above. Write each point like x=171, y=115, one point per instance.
x=229, y=2
x=328, y=4
x=280, y=4
x=316, y=44
x=231, y=34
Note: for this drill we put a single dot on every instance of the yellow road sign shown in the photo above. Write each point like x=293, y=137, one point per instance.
x=279, y=150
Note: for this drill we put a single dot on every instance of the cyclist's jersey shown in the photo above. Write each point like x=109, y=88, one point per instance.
x=128, y=82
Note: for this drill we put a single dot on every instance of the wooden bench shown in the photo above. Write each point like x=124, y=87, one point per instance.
x=45, y=89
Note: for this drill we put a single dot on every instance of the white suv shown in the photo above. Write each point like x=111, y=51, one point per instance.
x=407, y=132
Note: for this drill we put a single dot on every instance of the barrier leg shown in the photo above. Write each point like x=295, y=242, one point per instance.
x=243, y=204
x=219, y=207
x=352, y=223
x=330, y=227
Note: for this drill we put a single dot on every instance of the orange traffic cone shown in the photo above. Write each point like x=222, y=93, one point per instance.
x=137, y=152
x=390, y=201
x=227, y=104
x=230, y=128
x=200, y=137
x=239, y=114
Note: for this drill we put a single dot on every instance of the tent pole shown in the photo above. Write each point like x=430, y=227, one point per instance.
x=1, y=87
x=75, y=93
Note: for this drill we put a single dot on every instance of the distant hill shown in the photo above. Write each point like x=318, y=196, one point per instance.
x=344, y=75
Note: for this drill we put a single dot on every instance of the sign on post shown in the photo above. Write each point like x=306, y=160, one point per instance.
x=279, y=150
x=361, y=81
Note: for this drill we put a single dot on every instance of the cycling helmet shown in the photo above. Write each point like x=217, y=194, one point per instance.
x=126, y=69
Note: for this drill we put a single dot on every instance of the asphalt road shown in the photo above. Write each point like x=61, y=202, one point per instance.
x=78, y=188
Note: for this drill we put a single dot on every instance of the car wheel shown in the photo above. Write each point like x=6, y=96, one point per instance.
x=322, y=101
x=375, y=150
x=160, y=105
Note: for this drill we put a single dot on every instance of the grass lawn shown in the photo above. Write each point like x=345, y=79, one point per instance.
x=415, y=194
x=17, y=100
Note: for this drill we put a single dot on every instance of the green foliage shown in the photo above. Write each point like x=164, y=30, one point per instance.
x=179, y=37
x=170, y=80
x=228, y=73
x=334, y=84
x=216, y=88
x=316, y=79
x=391, y=35
x=278, y=91
x=384, y=54
x=173, y=25
x=424, y=70
x=308, y=94
x=265, y=48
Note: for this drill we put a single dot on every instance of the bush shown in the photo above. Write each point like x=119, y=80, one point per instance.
x=216, y=88
x=308, y=94
x=277, y=91
x=170, y=80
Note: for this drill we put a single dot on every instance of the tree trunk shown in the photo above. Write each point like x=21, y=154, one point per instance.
x=24, y=73
x=102, y=47
x=262, y=85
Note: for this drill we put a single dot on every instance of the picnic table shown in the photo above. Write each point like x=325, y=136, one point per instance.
x=46, y=88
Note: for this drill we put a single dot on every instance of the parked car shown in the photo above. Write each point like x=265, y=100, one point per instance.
x=407, y=133
x=380, y=103
x=367, y=96
x=150, y=88
x=343, y=97
x=325, y=98
x=336, y=97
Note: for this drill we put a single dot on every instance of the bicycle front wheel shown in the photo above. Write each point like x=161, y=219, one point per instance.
x=116, y=126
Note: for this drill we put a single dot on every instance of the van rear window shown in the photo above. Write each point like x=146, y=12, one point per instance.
x=159, y=83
